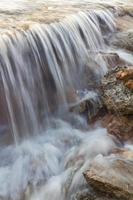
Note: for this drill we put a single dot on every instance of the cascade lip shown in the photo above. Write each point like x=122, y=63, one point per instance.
x=22, y=14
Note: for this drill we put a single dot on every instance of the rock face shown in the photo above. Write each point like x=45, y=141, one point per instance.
x=117, y=91
x=112, y=177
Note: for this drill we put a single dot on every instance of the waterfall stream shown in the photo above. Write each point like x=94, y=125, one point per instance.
x=41, y=70
x=40, y=67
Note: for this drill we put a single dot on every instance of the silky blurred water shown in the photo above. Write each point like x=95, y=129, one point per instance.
x=40, y=66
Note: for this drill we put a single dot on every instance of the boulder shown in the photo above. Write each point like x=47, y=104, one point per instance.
x=111, y=176
x=117, y=90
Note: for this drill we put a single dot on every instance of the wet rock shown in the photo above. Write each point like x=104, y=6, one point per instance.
x=119, y=126
x=117, y=95
x=124, y=40
x=111, y=176
x=129, y=84
x=89, y=103
x=112, y=60
x=90, y=194
x=125, y=74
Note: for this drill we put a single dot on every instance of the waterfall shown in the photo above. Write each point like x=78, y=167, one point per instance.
x=41, y=66
x=40, y=71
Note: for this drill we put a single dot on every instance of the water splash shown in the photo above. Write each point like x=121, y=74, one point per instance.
x=51, y=165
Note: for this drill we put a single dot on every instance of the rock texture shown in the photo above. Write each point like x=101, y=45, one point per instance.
x=111, y=176
x=117, y=92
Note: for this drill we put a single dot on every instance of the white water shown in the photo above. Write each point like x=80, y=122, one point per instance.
x=50, y=166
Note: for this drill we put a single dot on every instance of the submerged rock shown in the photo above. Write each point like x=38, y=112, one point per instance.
x=124, y=40
x=117, y=91
x=89, y=103
x=111, y=176
x=112, y=60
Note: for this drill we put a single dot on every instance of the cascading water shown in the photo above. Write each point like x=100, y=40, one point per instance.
x=40, y=69
x=41, y=66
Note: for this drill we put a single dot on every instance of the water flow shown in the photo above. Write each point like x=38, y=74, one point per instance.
x=40, y=68
x=50, y=166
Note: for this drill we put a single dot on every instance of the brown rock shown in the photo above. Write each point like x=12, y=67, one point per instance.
x=125, y=74
x=111, y=176
x=120, y=126
x=129, y=84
